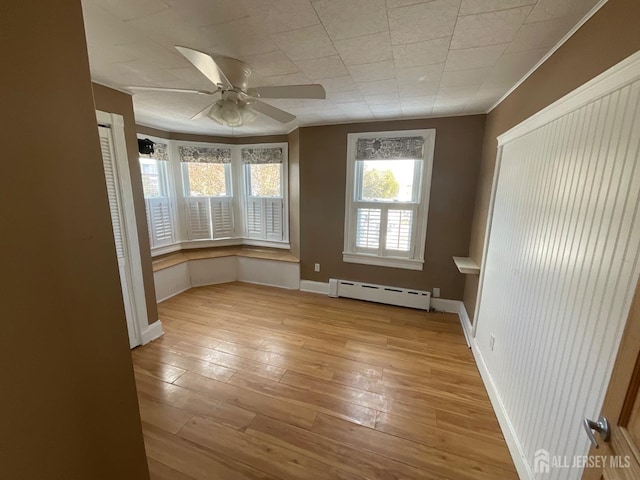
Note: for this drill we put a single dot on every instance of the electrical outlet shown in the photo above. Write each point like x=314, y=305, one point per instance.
x=436, y=292
x=317, y=267
x=492, y=341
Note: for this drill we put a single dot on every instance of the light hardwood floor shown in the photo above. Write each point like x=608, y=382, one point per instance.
x=263, y=383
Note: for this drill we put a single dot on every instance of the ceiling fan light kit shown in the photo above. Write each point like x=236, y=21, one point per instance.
x=238, y=104
x=231, y=113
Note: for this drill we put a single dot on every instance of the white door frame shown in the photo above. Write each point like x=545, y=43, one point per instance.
x=136, y=286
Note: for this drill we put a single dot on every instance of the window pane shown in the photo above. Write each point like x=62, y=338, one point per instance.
x=151, y=180
x=387, y=180
x=399, y=223
x=368, y=228
x=265, y=180
x=206, y=179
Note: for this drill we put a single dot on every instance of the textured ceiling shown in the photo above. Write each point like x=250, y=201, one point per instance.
x=377, y=59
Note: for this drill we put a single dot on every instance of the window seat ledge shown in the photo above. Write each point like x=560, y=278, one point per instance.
x=176, y=258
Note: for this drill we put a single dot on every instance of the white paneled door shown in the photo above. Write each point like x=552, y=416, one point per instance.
x=560, y=268
x=124, y=227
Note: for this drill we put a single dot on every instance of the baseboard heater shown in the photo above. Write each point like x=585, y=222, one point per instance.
x=401, y=297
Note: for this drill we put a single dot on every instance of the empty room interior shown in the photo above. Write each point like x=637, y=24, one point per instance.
x=320, y=239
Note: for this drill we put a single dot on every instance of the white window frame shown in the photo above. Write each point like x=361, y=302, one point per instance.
x=169, y=193
x=238, y=190
x=284, y=181
x=381, y=256
x=183, y=198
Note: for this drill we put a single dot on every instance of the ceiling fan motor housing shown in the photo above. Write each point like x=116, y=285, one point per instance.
x=236, y=71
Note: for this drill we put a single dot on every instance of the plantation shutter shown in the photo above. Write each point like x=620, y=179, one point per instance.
x=222, y=217
x=368, y=228
x=265, y=215
x=255, y=217
x=198, y=218
x=399, y=230
x=112, y=189
x=159, y=218
x=146, y=210
x=158, y=203
x=273, y=218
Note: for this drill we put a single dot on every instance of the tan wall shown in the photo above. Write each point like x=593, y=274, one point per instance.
x=294, y=192
x=68, y=399
x=611, y=35
x=323, y=156
x=113, y=101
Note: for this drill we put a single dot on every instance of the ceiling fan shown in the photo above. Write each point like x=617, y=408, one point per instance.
x=236, y=102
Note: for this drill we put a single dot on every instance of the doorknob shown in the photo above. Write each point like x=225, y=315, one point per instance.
x=601, y=426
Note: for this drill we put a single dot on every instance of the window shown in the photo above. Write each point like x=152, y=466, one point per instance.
x=264, y=179
x=206, y=177
x=202, y=194
x=388, y=182
x=153, y=168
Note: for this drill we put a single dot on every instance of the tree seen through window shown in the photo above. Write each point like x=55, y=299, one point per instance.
x=379, y=184
x=207, y=179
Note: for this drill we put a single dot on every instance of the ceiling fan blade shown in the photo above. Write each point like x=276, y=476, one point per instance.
x=178, y=90
x=273, y=112
x=203, y=113
x=207, y=66
x=290, y=91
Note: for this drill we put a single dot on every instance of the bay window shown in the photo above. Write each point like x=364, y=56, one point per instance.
x=388, y=183
x=202, y=194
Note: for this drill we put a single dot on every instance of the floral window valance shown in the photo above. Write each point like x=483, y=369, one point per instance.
x=389, y=148
x=262, y=155
x=193, y=154
x=160, y=152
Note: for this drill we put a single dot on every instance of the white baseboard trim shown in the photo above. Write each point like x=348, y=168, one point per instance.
x=444, y=305
x=152, y=332
x=265, y=284
x=465, y=321
x=314, y=287
x=508, y=430
x=172, y=294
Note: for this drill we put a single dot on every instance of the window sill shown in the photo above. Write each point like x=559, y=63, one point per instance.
x=226, y=242
x=391, y=262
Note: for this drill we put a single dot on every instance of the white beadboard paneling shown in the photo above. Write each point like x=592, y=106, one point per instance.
x=209, y=271
x=269, y=272
x=560, y=267
x=171, y=281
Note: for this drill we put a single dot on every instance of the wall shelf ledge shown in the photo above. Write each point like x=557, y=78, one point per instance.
x=467, y=265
